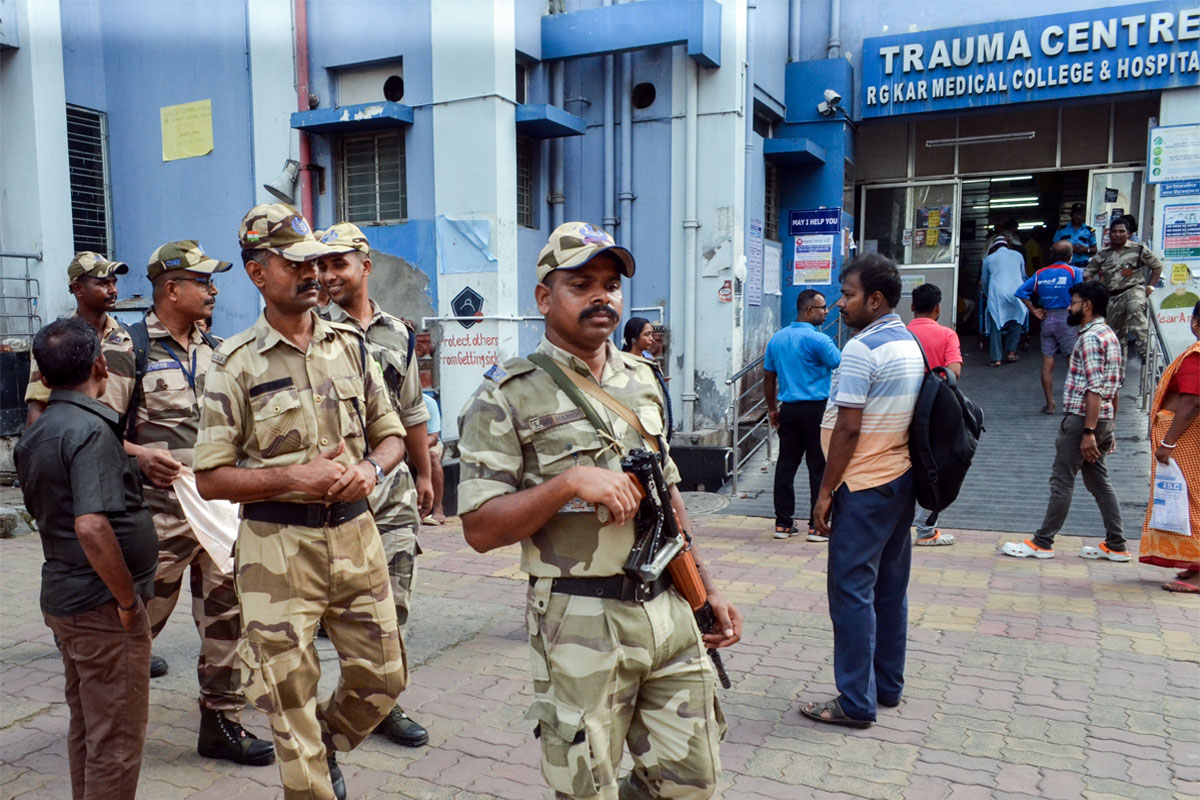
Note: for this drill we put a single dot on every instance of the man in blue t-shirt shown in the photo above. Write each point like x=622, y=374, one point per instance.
x=1052, y=286
x=1081, y=237
x=798, y=364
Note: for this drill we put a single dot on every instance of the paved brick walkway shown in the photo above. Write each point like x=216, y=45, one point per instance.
x=1006, y=489
x=1051, y=679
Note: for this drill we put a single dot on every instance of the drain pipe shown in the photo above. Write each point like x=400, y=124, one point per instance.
x=610, y=188
x=626, y=196
x=300, y=17
x=835, y=28
x=556, y=199
x=794, y=30
x=691, y=227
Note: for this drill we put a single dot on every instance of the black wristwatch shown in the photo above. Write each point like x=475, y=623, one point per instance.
x=379, y=475
x=1092, y=431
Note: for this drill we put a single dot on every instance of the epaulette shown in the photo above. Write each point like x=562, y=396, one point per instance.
x=226, y=348
x=345, y=327
x=650, y=362
x=511, y=368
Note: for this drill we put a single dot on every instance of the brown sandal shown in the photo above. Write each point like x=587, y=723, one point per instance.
x=1179, y=587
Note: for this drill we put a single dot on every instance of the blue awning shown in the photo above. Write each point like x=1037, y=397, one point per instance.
x=798, y=152
x=541, y=121
x=361, y=118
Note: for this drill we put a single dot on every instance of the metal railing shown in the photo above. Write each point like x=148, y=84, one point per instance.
x=737, y=417
x=1154, y=363
x=19, y=294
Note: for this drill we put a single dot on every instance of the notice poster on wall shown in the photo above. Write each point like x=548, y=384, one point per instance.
x=1174, y=153
x=815, y=232
x=772, y=269
x=754, y=264
x=1181, y=231
x=186, y=130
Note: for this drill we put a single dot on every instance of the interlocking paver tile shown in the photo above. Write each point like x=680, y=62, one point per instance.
x=1059, y=679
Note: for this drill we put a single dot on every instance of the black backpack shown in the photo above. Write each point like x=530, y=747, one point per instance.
x=140, y=335
x=942, y=438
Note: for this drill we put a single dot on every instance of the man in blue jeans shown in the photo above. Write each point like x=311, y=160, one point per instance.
x=868, y=488
x=796, y=369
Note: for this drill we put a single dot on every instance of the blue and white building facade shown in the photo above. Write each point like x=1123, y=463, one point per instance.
x=458, y=133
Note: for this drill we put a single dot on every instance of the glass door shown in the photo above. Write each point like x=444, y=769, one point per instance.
x=1112, y=193
x=916, y=224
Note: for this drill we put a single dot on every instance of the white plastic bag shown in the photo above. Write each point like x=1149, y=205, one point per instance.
x=1169, y=501
x=215, y=522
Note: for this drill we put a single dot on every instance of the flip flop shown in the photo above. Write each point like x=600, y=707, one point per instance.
x=1012, y=358
x=1184, y=574
x=836, y=716
x=995, y=364
x=1048, y=411
x=1179, y=587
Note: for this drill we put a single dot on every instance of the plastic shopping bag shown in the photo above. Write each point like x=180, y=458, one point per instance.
x=1169, y=511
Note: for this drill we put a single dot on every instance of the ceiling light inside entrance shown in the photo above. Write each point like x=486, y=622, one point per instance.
x=985, y=139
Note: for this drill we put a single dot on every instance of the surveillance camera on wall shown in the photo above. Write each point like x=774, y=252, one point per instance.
x=827, y=106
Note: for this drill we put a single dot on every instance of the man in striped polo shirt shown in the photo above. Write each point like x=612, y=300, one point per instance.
x=868, y=489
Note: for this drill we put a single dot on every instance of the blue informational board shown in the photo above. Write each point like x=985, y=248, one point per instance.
x=818, y=220
x=1105, y=51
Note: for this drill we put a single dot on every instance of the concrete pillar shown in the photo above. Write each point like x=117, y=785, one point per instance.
x=475, y=185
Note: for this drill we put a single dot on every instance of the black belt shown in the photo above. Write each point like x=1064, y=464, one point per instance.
x=613, y=587
x=310, y=515
x=1123, y=291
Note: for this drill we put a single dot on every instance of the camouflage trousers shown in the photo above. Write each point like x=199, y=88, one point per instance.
x=1126, y=315
x=214, y=603
x=289, y=578
x=400, y=549
x=608, y=673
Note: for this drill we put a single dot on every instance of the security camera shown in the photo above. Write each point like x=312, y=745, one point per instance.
x=831, y=103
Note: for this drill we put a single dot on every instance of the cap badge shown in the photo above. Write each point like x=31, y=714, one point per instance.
x=300, y=226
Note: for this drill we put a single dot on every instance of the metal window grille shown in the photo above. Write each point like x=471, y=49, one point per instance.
x=771, y=202
x=525, y=155
x=87, y=159
x=373, y=187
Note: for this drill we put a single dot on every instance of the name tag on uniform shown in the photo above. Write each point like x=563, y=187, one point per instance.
x=538, y=424
x=155, y=366
x=577, y=506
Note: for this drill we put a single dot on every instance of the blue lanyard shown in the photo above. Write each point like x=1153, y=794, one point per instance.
x=191, y=376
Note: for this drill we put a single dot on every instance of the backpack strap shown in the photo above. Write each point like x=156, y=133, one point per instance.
x=575, y=385
x=141, y=357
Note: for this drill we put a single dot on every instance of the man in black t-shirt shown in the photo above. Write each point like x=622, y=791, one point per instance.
x=101, y=554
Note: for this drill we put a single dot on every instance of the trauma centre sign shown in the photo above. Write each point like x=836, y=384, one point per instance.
x=1143, y=47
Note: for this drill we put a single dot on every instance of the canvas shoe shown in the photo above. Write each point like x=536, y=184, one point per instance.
x=938, y=539
x=1091, y=551
x=786, y=531
x=1025, y=549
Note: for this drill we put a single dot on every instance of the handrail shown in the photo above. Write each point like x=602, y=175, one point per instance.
x=1154, y=363
x=736, y=436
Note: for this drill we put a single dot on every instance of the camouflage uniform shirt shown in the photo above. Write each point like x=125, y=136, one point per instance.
x=117, y=348
x=269, y=404
x=394, y=501
x=519, y=430
x=1122, y=269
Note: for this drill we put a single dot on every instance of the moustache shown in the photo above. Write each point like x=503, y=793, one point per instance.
x=308, y=286
x=592, y=311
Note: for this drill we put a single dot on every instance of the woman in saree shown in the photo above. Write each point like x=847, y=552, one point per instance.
x=1175, y=434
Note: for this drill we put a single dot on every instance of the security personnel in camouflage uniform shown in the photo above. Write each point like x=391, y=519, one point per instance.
x=164, y=416
x=397, y=503
x=93, y=281
x=1122, y=267
x=607, y=668
x=297, y=427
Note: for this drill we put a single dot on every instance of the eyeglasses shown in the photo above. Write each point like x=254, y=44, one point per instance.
x=207, y=283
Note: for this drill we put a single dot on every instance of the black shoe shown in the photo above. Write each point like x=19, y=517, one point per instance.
x=335, y=777
x=158, y=666
x=400, y=729
x=221, y=737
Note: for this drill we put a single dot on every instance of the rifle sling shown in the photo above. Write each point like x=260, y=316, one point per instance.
x=573, y=385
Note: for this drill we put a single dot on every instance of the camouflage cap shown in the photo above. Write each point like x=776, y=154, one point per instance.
x=184, y=254
x=344, y=237
x=573, y=244
x=280, y=229
x=94, y=265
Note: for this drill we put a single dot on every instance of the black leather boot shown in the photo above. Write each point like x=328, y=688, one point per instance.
x=398, y=727
x=335, y=777
x=221, y=737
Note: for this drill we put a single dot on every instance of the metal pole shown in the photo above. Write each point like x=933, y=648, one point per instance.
x=733, y=411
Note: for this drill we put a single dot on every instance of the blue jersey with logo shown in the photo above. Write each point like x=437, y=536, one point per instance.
x=1052, y=285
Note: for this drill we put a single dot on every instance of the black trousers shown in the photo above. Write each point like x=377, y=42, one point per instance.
x=799, y=437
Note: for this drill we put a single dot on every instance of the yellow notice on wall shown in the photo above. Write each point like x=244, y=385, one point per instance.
x=186, y=130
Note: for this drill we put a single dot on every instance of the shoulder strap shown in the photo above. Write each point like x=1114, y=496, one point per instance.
x=412, y=344
x=141, y=357
x=574, y=384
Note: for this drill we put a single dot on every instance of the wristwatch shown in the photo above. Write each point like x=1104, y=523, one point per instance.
x=1092, y=431
x=379, y=476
